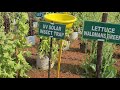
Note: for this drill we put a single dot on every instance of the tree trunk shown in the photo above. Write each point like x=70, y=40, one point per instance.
x=6, y=23
x=31, y=31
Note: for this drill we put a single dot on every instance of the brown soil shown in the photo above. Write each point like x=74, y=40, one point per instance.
x=70, y=63
x=116, y=55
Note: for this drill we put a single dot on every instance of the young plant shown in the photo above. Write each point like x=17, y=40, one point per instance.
x=68, y=32
x=107, y=68
x=44, y=48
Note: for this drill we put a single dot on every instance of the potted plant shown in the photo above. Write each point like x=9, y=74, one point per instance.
x=43, y=54
x=66, y=45
x=74, y=35
x=66, y=41
x=30, y=38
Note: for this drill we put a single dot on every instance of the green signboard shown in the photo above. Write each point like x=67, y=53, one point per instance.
x=101, y=31
x=52, y=29
x=40, y=14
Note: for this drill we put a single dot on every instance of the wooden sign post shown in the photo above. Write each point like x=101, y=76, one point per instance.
x=99, y=50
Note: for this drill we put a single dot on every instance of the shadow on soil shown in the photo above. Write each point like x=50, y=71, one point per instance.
x=31, y=61
x=74, y=69
x=115, y=55
x=74, y=49
x=78, y=50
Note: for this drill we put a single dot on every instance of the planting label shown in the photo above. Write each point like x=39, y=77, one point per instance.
x=52, y=29
x=101, y=31
x=40, y=14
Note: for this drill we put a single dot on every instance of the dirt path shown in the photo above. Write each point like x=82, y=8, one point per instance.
x=70, y=63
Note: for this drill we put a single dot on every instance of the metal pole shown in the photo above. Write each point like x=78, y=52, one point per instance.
x=59, y=59
x=99, y=50
x=50, y=57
